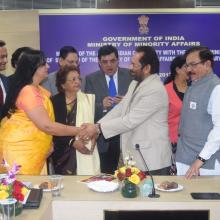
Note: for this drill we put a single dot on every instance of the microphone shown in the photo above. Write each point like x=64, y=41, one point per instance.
x=153, y=193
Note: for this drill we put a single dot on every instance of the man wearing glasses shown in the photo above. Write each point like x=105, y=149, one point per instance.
x=68, y=58
x=141, y=117
x=199, y=140
x=109, y=84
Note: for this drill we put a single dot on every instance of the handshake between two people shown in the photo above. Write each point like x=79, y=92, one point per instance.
x=87, y=133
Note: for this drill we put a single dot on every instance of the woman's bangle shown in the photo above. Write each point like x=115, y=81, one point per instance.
x=71, y=142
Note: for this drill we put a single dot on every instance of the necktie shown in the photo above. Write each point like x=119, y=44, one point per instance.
x=1, y=96
x=112, y=88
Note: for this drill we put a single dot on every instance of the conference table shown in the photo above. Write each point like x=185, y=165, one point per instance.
x=78, y=202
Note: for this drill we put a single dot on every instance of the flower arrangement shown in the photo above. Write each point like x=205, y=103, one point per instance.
x=130, y=173
x=130, y=176
x=10, y=187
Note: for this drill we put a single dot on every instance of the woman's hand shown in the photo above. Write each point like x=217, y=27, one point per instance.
x=80, y=146
x=88, y=131
x=51, y=150
x=93, y=144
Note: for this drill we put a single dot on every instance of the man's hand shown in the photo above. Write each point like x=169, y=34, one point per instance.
x=117, y=99
x=87, y=131
x=80, y=146
x=107, y=102
x=194, y=169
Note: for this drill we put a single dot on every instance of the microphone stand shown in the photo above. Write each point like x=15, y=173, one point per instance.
x=153, y=193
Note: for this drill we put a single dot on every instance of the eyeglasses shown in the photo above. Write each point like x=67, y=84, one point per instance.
x=192, y=65
x=73, y=62
x=106, y=62
x=74, y=79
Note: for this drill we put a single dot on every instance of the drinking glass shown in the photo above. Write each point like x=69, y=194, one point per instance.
x=7, y=209
x=56, y=184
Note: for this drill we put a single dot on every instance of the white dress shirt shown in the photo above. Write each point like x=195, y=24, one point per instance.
x=3, y=90
x=213, y=141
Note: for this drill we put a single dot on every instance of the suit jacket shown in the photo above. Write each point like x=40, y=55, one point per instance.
x=141, y=118
x=50, y=83
x=4, y=80
x=95, y=83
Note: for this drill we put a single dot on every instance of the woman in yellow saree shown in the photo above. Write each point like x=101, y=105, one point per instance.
x=28, y=119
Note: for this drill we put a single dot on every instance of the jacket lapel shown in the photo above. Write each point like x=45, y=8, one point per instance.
x=103, y=84
x=144, y=83
x=121, y=82
x=134, y=92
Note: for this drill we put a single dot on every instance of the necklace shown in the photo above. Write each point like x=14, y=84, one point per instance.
x=70, y=100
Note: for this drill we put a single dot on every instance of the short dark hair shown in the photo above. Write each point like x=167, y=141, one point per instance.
x=2, y=43
x=17, y=55
x=178, y=61
x=204, y=53
x=64, y=51
x=149, y=58
x=62, y=76
x=106, y=50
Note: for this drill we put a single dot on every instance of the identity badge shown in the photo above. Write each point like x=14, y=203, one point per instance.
x=192, y=105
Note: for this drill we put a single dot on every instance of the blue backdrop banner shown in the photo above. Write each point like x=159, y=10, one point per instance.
x=169, y=34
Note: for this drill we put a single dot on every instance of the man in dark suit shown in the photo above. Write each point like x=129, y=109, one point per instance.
x=109, y=84
x=3, y=79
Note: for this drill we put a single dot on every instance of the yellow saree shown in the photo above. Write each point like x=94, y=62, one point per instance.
x=20, y=140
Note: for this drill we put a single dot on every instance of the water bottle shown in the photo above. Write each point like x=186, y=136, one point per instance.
x=146, y=187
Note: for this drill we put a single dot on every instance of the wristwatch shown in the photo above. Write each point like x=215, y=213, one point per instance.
x=202, y=159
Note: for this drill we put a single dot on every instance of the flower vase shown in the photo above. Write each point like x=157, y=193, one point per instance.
x=18, y=208
x=10, y=208
x=7, y=208
x=129, y=189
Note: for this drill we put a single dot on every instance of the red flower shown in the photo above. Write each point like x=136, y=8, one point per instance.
x=128, y=172
x=141, y=175
x=19, y=196
x=121, y=176
x=17, y=188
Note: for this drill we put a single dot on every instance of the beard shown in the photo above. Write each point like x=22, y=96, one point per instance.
x=138, y=76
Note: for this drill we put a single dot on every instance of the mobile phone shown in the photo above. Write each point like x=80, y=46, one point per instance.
x=119, y=96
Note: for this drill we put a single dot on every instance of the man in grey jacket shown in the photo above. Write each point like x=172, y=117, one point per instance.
x=68, y=57
x=199, y=140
